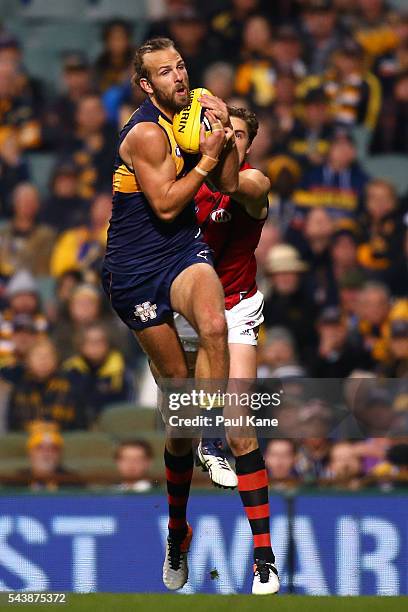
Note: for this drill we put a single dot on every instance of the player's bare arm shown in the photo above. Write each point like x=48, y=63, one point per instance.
x=146, y=150
x=252, y=192
x=225, y=174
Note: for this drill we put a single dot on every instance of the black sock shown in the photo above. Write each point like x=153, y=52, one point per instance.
x=179, y=472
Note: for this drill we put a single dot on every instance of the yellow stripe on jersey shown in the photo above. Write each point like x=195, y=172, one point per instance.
x=125, y=181
x=175, y=151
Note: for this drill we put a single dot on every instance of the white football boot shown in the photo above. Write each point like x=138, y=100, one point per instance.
x=175, y=567
x=266, y=579
x=211, y=457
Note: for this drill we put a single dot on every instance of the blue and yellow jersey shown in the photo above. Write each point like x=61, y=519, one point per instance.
x=138, y=241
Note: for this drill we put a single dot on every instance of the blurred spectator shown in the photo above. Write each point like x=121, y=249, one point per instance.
x=280, y=461
x=391, y=131
x=382, y=228
x=64, y=208
x=322, y=35
x=256, y=74
x=76, y=83
x=13, y=170
x=354, y=92
x=98, y=371
x=228, y=25
x=284, y=109
x=338, y=184
x=396, y=364
x=112, y=67
x=310, y=139
x=344, y=465
x=46, y=471
x=313, y=238
x=91, y=145
x=336, y=356
x=41, y=392
x=374, y=30
x=313, y=452
x=82, y=248
x=219, y=79
x=28, y=87
x=349, y=286
x=134, y=460
x=373, y=315
x=284, y=173
x=25, y=243
x=22, y=301
x=84, y=308
x=64, y=287
x=17, y=112
x=373, y=410
x=15, y=344
x=343, y=250
x=287, y=52
x=277, y=352
x=188, y=28
x=389, y=65
x=287, y=303
x=395, y=467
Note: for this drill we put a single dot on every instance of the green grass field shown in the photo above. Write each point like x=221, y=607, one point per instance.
x=107, y=602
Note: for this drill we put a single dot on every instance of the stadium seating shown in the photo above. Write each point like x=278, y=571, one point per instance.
x=44, y=9
x=9, y=467
x=125, y=9
x=390, y=167
x=87, y=445
x=12, y=446
x=61, y=37
x=126, y=420
x=8, y=7
x=92, y=468
x=41, y=165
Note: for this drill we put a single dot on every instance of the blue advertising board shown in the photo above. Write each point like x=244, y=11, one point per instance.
x=115, y=543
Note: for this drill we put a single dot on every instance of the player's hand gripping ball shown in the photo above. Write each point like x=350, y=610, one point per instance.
x=187, y=123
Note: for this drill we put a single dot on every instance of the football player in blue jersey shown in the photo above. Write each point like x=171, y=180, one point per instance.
x=156, y=262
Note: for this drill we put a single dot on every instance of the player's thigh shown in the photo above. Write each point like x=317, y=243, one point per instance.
x=242, y=360
x=162, y=345
x=197, y=294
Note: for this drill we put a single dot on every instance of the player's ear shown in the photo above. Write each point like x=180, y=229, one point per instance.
x=145, y=86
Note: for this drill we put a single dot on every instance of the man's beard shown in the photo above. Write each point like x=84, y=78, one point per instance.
x=169, y=102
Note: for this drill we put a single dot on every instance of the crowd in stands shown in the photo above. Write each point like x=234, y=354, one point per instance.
x=333, y=257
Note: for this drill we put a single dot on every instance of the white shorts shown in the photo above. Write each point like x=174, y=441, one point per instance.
x=243, y=322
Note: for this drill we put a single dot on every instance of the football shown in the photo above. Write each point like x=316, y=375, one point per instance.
x=187, y=123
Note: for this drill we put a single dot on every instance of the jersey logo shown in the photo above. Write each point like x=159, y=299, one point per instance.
x=221, y=216
x=246, y=332
x=145, y=311
x=177, y=151
x=203, y=254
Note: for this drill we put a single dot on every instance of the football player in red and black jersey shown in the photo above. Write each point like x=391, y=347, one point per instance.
x=231, y=224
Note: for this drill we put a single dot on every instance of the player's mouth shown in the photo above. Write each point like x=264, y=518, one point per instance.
x=182, y=91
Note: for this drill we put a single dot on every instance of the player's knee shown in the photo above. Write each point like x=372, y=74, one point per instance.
x=241, y=446
x=178, y=446
x=214, y=329
x=174, y=370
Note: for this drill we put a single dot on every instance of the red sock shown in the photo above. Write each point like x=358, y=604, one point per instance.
x=253, y=489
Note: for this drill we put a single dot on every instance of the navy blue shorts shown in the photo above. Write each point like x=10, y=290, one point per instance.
x=143, y=300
